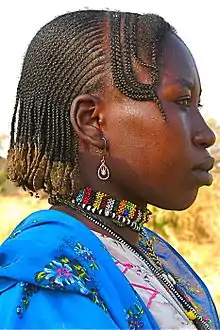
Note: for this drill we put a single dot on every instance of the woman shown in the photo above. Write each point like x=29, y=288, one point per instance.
x=106, y=120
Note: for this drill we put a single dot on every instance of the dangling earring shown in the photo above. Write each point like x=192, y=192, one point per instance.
x=103, y=170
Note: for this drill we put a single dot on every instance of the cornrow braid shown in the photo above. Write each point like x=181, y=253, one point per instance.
x=133, y=43
x=67, y=57
x=122, y=51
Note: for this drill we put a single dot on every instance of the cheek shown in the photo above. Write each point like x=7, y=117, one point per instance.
x=129, y=135
x=136, y=139
x=147, y=145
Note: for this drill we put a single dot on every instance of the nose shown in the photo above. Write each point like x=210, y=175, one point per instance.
x=204, y=135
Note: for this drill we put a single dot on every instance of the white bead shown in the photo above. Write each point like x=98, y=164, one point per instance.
x=170, y=277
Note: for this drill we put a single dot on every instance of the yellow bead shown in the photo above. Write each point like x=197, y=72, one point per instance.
x=133, y=207
x=98, y=200
x=191, y=315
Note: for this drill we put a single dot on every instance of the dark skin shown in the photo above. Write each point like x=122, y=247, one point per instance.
x=151, y=161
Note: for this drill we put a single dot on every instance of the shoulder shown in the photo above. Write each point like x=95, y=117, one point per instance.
x=47, y=243
x=48, y=227
x=53, y=251
x=43, y=218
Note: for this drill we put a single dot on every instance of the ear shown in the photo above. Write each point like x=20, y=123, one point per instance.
x=86, y=116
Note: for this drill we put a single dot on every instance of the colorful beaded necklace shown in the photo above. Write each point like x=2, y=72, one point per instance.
x=123, y=213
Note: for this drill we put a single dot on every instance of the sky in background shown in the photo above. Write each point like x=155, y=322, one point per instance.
x=197, y=23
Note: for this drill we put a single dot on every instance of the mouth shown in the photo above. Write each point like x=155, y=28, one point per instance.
x=201, y=171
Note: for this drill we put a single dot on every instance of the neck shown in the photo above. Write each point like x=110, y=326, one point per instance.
x=127, y=234
x=119, y=194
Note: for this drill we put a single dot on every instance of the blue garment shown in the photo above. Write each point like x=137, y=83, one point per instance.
x=56, y=274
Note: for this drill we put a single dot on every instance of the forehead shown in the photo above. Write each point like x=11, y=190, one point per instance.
x=177, y=63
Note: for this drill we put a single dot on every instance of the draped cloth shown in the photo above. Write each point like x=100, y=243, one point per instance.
x=57, y=274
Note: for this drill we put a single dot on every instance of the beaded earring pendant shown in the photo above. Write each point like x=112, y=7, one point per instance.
x=103, y=171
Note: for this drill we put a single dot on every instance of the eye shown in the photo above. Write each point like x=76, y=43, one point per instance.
x=184, y=102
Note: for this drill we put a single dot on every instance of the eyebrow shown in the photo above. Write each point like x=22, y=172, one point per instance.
x=186, y=83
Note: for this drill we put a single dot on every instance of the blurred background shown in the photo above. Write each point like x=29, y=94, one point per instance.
x=195, y=232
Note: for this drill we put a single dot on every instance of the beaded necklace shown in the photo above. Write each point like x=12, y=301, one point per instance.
x=149, y=258
x=122, y=213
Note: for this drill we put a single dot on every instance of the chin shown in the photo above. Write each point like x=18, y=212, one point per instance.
x=179, y=204
x=185, y=204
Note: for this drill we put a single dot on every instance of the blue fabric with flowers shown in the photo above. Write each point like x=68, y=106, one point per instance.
x=55, y=273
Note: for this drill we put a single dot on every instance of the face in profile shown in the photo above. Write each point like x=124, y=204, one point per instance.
x=164, y=163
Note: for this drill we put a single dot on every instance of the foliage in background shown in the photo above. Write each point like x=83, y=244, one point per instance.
x=215, y=149
x=2, y=181
x=200, y=223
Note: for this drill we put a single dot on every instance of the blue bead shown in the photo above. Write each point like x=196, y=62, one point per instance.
x=126, y=212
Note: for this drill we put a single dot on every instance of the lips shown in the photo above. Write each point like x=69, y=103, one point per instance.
x=205, y=165
x=201, y=171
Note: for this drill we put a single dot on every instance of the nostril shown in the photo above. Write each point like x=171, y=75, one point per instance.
x=204, y=138
x=205, y=145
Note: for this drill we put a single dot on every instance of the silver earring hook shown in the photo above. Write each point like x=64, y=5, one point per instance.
x=104, y=139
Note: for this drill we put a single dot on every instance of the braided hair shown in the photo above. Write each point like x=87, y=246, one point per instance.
x=66, y=58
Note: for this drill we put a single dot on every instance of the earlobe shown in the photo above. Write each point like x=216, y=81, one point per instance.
x=86, y=118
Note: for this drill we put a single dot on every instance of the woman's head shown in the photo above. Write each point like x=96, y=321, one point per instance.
x=124, y=76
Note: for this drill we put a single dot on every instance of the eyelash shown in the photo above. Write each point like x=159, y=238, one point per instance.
x=188, y=100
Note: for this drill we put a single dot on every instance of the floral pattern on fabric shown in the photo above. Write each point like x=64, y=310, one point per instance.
x=82, y=252
x=96, y=299
x=86, y=254
x=27, y=292
x=65, y=274
x=134, y=317
x=61, y=273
